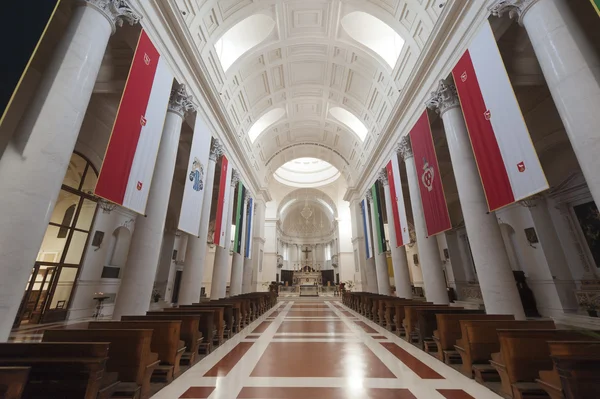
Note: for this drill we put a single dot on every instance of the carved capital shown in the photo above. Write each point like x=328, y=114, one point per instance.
x=532, y=201
x=444, y=98
x=383, y=177
x=180, y=101
x=369, y=197
x=216, y=150
x=247, y=197
x=115, y=11
x=404, y=148
x=235, y=178
x=516, y=9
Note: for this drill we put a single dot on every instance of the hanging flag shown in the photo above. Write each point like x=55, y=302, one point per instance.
x=596, y=4
x=239, y=217
x=223, y=203
x=193, y=192
x=378, y=232
x=130, y=157
x=366, y=227
x=248, y=248
x=508, y=164
x=433, y=199
x=398, y=209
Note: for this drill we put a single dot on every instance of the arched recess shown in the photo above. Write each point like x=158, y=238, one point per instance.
x=512, y=248
x=118, y=249
x=312, y=194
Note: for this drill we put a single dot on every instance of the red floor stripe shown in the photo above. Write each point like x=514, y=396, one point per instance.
x=323, y=393
x=228, y=362
x=197, y=392
x=368, y=329
x=454, y=394
x=262, y=327
x=420, y=368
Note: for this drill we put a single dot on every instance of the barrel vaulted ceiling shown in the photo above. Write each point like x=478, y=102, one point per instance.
x=302, y=65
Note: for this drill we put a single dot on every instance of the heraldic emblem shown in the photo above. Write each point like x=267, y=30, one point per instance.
x=427, y=176
x=197, y=174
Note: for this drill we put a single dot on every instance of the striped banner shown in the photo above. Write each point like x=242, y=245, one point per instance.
x=366, y=227
x=130, y=157
x=18, y=54
x=239, y=217
x=248, y=248
x=398, y=207
x=508, y=163
x=596, y=4
x=223, y=204
x=378, y=231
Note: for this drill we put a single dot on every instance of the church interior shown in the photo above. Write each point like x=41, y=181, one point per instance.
x=289, y=199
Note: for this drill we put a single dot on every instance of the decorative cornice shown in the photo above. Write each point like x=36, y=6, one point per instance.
x=404, y=148
x=383, y=177
x=532, y=202
x=444, y=98
x=216, y=150
x=516, y=8
x=235, y=178
x=180, y=101
x=115, y=11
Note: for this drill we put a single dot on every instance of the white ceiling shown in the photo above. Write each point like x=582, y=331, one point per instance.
x=306, y=65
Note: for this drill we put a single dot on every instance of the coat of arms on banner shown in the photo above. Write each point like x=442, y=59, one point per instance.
x=197, y=174
x=427, y=176
x=521, y=166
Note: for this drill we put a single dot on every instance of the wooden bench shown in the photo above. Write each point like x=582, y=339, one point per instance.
x=13, y=381
x=206, y=326
x=231, y=314
x=218, y=318
x=448, y=332
x=190, y=333
x=57, y=370
x=479, y=340
x=410, y=319
x=523, y=353
x=426, y=324
x=576, y=370
x=165, y=342
x=398, y=314
x=129, y=353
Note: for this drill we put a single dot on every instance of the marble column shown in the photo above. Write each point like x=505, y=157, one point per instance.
x=496, y=280
x=431, y=264
x=381, y=270
x=237, y=265
x=370, y=273
x=258, y=244
x=193, y=267
x=219, y=277
x=247, y=278
x=571, y=67
x=399, y=262
x=138, y=277
x=33, y=165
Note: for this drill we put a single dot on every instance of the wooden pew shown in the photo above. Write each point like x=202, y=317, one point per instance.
x=190, y=333
x=231, y=314
x=129, y=353
x=165, y=341
x=410, y=319
x=206, y=326
x=479, y=340
x=218, y=317
x=69, y=369
x=399, y=314
x=448, y=331
x=576, y=370
x=426, y=324
x=13, y=381
x=523, y=353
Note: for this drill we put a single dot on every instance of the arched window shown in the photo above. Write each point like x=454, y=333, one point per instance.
x=64, y=229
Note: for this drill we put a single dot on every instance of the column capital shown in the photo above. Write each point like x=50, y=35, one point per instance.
x=180, y=101
x=369, y=196
x=533, y=201
x=444, y=98
x=404, y=148
x=235, y=178
x=115, y=11
x=247, y=197
x=516, y=8
x=216, y=150
x=383, y=177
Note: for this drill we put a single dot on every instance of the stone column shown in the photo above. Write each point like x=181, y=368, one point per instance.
x=381, y=272
x=399, y=263
x=370, y=274
x=219, y=277
x=258, y=244
x=138, y=277
x=247, y=279
x=562, y=278
x=237, y=265
x=431, y=264
x=571, y=66
x=496, y=280
x=33, y=165
x=193, y=267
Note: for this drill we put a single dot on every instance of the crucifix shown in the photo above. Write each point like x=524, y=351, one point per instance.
x=306, y=251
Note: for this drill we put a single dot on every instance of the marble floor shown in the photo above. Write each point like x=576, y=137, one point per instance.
x=319, y=349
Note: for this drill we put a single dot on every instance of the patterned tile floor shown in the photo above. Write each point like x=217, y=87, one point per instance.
x=320, y=350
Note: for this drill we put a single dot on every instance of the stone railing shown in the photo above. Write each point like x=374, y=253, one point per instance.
x=588, y=296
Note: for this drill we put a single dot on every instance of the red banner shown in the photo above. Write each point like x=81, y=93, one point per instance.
x=429, y=178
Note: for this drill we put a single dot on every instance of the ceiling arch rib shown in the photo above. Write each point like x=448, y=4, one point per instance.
x=306, y=173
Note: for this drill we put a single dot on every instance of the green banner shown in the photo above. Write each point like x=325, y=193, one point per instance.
x=596, y=4
x=239, y=216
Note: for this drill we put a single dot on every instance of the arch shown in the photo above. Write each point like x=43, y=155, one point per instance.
x=306, y=172
x=350, y=121
x=315, y=195
x=118, y=249
x=266, y=120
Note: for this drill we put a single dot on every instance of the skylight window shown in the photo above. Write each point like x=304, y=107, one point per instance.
x=307, y=172
x=375, y=34
x=264, y=122
x=348, y=119
x=242, y=37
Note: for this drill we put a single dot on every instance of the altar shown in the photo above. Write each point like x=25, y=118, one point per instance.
x=307, y=278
